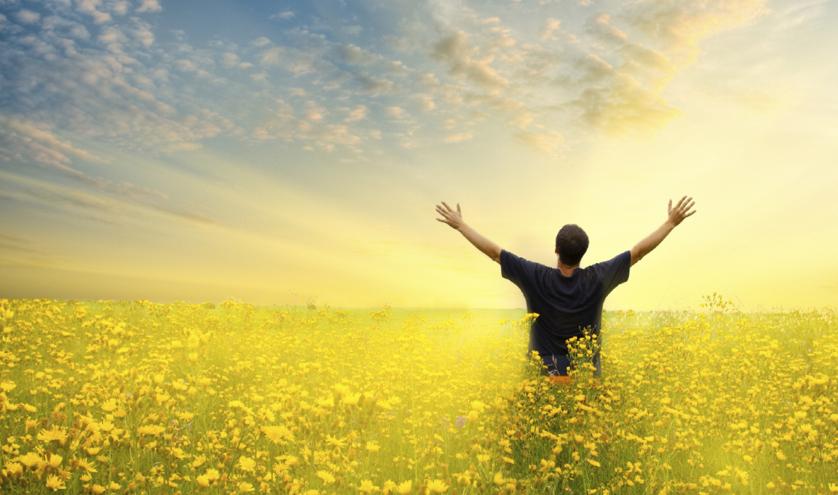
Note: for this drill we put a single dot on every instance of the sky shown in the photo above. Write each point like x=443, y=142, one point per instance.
x=281, y=152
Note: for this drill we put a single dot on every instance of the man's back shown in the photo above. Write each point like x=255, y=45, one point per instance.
x=565, y=304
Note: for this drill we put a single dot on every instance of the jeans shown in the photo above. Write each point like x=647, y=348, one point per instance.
x=557, y=364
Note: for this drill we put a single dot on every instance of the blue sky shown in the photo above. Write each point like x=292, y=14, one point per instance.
x=208, y=149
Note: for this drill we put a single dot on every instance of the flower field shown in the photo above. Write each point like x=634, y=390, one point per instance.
x=139, y=397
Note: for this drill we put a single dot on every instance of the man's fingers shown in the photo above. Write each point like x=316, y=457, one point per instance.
x=441, y=211
x=690, y=213
x=680, y=202
x=458, y=208
x=441, y=220
x=446, y=206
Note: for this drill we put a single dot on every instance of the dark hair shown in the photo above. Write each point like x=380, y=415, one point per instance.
x=571, y=244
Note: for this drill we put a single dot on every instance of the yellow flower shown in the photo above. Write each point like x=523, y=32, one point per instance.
x=498, y=479
x=388, y=486
x=245, y=487
x=247, y=464
x=593, y=462
x=109, y=405
x=55, y=460
x=54, y=434
x=30, y=459
x=437, y=486
x=278, y=434
x=86, y=465
x=98, y=489
x=212, y=474
x=367, y=486
x=326, y=476
x=13, y=468
x=373, y=446
x=202, y=480
x=55, y=483
x=150, y=430
x=404, y=487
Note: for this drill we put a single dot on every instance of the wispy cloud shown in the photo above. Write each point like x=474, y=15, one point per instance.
x=108, y=72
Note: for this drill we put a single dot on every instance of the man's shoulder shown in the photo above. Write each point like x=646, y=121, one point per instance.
x=510, y=255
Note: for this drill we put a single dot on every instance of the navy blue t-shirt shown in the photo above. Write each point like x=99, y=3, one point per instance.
x=565, y=304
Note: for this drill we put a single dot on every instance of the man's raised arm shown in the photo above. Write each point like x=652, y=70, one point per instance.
x=676, y=216
x=455, y=220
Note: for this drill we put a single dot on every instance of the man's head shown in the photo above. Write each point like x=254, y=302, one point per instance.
x=571, y=244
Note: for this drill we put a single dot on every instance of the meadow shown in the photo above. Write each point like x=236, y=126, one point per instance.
x=139, y=397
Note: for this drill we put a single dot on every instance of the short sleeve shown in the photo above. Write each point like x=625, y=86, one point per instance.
x=516, y=269
x=614, y=272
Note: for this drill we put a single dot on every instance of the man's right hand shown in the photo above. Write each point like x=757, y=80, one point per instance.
x=681, y=210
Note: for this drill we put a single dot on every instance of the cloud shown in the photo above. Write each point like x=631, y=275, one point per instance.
x=681, y=26
x=357, y=113
x=19, y=244
x=144, y=35
x=120, y=7
x=354, y=54
x=24, y=140
x=80, y=32
x=550, y=27
x=427, y=102
x=374, y=85
x=230, y=59
x=395, y=112
x=261, y=41
x=26, y=16
x=118, y=88
x=24, y=137
x=108, y=202
x=624, y=105
x=283, y=15
x=149, y=6
x=271, y=56
x=314, y=111
x=543, y=141
x=310, y=127
x=115, y=80
x=89, y=7
x=458, y=138
x=454, y=49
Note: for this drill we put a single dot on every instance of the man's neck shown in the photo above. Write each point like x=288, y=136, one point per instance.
x=566, y=270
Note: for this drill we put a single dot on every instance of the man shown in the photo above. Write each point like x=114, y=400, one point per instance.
x=568, y=299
